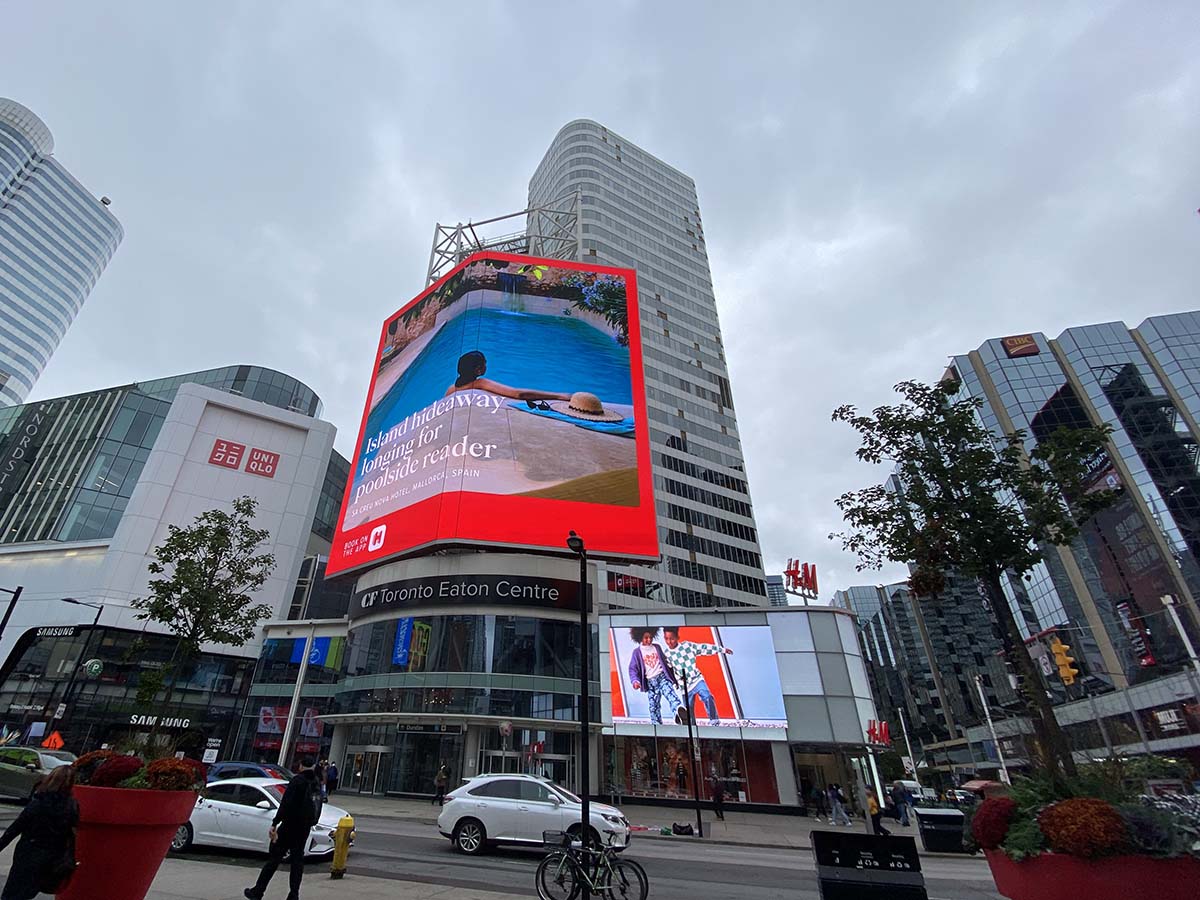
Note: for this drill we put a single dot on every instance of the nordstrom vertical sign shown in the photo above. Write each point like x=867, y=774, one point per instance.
x=18, y=452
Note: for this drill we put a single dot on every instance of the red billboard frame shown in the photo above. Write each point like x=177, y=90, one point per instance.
x=509, y=522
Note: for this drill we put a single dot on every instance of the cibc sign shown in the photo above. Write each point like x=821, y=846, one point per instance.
x=457, y=590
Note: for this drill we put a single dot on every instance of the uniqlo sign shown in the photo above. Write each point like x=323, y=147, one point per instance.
x=263, y=462
x=227, y=454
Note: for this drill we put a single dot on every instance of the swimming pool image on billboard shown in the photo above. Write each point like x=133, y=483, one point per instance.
x=503, y=384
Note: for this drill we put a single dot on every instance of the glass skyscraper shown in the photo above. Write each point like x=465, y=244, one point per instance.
x=638, y=212
x=55, y=240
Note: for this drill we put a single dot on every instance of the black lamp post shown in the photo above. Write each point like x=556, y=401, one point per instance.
x=575, y=543
x=16, y=595
x=693, y=755
x=87, y=641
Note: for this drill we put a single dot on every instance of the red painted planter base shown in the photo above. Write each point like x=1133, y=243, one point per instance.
x=1052, y=877
x=122, y=839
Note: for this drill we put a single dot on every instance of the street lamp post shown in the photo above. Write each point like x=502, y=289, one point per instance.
x=87, y=642
x=692, y=754
x=16, y=595
x=575, y=543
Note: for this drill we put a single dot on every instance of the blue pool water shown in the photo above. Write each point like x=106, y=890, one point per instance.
x=523, y=350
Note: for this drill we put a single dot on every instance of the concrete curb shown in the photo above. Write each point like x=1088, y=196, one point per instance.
x=639, y=835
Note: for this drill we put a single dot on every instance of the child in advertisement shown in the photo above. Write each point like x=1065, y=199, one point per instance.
x=650, y=673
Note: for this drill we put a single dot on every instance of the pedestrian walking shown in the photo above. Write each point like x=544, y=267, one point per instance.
x=331, y=778
x=718, y=798
x=298, y=812
x=837, y=806
x=820, y=801
x=875, y=813
x=322, y=776
x=903, y=800
x=45, y=856
x=440, y=780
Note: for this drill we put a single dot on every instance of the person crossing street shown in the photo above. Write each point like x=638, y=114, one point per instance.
x=298, y=812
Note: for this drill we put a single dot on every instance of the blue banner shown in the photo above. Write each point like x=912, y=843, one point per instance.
x=404, y=632
x=316, y=656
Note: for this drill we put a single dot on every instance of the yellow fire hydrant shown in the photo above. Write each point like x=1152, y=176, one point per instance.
x=343, y=835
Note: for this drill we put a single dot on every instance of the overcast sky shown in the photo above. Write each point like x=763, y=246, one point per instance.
x=882, y=186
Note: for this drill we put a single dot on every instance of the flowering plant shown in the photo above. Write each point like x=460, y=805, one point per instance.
x=104, y=768
x=1084, y=826
x=990, y=824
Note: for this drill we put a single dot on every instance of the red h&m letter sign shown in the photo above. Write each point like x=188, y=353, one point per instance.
x=263, y=462
x=227, y=454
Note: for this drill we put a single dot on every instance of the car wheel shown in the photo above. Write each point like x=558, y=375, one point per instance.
x=182, y=839
x=469, y=837
x=593, y=835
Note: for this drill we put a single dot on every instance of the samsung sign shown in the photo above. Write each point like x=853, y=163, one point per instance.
x=455, y=590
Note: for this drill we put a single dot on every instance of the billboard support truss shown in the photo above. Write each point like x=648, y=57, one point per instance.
x=552, y=230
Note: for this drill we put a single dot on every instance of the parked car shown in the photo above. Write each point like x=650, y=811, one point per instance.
x=517, y=809
x=960, y=797
x=222, y=771
x=237, y=813
x=919, y=793
x=23, y=767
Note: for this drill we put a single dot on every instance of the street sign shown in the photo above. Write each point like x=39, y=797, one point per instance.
x=909, y=768
x=93, y=667
x=61, y=711
x=53, y=742
x=853, y=866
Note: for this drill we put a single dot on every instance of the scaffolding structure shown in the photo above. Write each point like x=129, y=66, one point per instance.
x=552, y=230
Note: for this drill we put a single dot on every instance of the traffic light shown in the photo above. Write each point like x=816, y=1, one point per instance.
x=1063, y=660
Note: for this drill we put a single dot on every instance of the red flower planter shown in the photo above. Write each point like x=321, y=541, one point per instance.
x=122, y=839
x=1052, y=876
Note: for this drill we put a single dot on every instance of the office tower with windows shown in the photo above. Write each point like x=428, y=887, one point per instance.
x=55, y=240
x=635, y=211
x=776, y=592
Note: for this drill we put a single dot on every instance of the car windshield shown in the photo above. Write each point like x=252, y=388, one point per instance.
x=564, y=792
x=55, y=758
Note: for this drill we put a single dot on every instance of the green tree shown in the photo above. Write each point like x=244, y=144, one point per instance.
x=891, y=766
x=209, y=570
x=966, y=502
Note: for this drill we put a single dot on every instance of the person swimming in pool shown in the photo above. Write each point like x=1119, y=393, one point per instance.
x=471, y=367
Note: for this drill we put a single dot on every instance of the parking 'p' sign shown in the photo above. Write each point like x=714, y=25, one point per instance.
x=262, y=462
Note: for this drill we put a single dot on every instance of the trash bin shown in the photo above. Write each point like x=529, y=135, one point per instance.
x=941, y=829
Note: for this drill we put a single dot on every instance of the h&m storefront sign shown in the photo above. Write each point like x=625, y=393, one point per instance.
x=455, y=590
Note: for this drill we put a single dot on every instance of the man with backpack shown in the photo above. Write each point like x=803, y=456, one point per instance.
x=298, y=812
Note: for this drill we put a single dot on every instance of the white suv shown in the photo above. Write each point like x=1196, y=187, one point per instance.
x=517, y=809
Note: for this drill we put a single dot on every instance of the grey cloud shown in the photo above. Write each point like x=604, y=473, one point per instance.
x=882, y=185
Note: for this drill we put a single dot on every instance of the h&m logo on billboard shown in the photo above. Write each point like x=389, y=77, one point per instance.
x=1020, y=345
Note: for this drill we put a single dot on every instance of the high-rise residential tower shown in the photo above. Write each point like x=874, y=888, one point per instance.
x=55, y=240
x=638, y=212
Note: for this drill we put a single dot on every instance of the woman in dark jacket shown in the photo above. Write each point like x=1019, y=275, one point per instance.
x=46, y=827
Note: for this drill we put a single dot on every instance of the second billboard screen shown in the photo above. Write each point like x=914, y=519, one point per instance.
x=507, y=407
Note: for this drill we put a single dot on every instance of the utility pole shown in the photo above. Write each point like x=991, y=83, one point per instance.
x=987, y=714
x=908, y=744
x=1170, y=603
x=693, y=755
x=290, y=728
x=576, y=545
x=16, y=595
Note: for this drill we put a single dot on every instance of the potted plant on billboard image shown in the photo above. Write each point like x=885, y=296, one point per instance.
x=1096, y=833
x=129, y=810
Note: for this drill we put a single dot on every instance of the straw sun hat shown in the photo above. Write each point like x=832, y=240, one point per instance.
x=583, y=405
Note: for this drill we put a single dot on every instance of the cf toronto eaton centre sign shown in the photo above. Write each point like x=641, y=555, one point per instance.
x=455, y=590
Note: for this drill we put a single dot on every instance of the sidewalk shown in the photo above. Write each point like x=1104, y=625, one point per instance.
x=747, y=829
x=181, y=879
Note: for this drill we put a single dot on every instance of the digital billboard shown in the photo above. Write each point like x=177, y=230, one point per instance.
x=729, y=672
x=506, y=407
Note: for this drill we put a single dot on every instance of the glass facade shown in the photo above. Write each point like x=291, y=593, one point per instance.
x=509, y=666
x=638, y=212
x=209, y=694
x=55, y=240
x=68, y=466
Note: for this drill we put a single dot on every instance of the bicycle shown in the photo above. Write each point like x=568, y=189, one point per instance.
x=566, y=869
